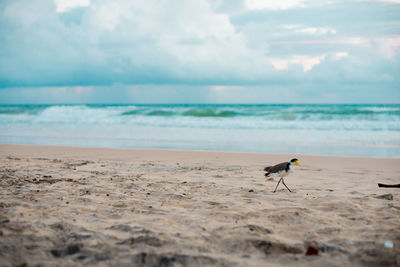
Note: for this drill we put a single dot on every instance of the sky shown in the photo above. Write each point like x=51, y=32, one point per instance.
x=199, y=51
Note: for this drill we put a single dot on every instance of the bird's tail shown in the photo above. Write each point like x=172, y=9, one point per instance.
x=267, y=168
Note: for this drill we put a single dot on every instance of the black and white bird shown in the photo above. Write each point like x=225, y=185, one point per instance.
x=281, y=170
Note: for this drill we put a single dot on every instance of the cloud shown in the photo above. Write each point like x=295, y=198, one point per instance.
x=88, y=45
x=386, y=1
x=388, y=45
x=307, y=62
x=67, y=5
x=353, y=41
x=125, y=42
x=315, y=30
x=308, y=30
x=291, y=26
x=271, y=4
x=340, y=55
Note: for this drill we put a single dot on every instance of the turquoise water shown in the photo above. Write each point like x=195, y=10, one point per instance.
x=349, y=130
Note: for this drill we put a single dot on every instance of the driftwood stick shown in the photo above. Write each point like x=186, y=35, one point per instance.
x=389, y=185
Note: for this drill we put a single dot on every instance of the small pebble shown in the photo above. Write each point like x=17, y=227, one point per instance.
x=251, y=190
x=108, y=195
x=312, y=251
x=388, y=244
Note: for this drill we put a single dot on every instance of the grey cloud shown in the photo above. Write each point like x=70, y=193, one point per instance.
x=193, y=43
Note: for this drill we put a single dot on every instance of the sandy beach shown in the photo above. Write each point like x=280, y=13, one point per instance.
x=66, y=206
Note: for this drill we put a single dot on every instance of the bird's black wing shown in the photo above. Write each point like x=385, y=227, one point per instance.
x=284, y=166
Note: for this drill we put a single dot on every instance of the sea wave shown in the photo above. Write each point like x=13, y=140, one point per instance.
x=21, y=109
x=208, y=112
x=272, y=112
x=321, y=117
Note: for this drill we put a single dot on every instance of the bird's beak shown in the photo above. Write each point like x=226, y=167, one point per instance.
x=297, y=163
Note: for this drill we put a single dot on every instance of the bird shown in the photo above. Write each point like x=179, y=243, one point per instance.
x=281, y=170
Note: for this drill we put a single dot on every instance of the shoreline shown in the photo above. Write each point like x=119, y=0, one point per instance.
x=107, y=206
x=192, y=150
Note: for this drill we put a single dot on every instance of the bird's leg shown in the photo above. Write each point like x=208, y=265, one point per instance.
x=283, y=182
x=277, y=185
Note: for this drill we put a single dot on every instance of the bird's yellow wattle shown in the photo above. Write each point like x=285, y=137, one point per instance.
x=297, y=163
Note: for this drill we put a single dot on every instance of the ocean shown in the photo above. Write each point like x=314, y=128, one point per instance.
x=345, y=130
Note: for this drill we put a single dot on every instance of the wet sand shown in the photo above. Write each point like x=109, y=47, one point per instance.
x=65, y=206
